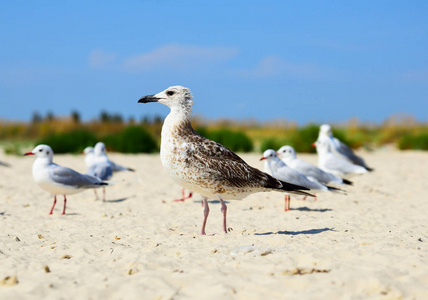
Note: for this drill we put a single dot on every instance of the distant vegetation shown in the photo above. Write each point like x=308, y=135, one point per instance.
x=70, y=134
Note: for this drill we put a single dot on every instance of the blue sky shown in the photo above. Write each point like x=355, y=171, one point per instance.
x=304, y=61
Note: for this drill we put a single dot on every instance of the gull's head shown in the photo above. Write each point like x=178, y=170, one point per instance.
x=286, y=152
x=100, y=149
x=269, y=155
x=175, y=97
x=325, y=130
x=42, y=151
x=88, y=150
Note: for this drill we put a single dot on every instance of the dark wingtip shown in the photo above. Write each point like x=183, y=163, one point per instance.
x=369, y=169
x=346, y=181
x=335, y=189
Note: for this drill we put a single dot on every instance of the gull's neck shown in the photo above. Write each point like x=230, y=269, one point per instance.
x=178, y=117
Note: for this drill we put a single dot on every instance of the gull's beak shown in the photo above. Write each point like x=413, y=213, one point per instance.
x=28, y=153
x=263, y=158
x=313, y=145
x=147, y=99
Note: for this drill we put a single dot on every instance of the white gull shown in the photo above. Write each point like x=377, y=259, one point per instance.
x=279, y=169
x=56, y=179
x=288, y=155
x=101, y=157
x=331, y=163
x=204, y=166
x=340, y=149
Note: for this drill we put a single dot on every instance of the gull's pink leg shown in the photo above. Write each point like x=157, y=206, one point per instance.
x=104, y=194
x=206, y=212
x=287, y=202
x=304, y=197
x=53, y=206
x=65, y=203
x=184, y=197
x=224, y=211
x=96, y=194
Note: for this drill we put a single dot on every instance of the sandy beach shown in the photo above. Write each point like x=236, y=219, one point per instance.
x=140, y=244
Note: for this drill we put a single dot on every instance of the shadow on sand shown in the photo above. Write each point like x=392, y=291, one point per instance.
x=310, y=231
x=305, y=208
x=117, y=200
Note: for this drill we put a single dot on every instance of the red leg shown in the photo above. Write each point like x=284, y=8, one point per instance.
x=206, y=212
x=183, y=196
x=65, y=203
x=53, y=206
x=224, y=211
x=287, y=202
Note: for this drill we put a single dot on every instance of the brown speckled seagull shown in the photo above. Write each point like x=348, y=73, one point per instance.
x=204, y=166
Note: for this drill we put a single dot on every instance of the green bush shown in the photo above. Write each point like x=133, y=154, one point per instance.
x=73, y=141
x=133, y=139
x=300, y=139
x=415, y=141
x=234, y=140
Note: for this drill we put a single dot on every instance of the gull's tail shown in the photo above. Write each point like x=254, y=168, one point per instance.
x=276, y=184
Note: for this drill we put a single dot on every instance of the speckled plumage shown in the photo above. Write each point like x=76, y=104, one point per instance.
x=202, y=165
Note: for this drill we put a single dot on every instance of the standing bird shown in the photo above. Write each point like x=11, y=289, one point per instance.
x=288, y=155
x=278, y=169
x=329, y=162
x=101, y=156
x=56, y=179
x=340, y=149
x=101, y=169
x=204, y=166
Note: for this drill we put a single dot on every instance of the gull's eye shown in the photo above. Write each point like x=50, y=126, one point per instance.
x=170, y=93
x=40, y=150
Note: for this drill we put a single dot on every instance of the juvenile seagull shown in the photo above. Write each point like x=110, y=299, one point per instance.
x=101, y=156
x=329, y=162
x=340, y=149
x=57, y=179
x=279, y=169
x=288, y=155
x=204, y=166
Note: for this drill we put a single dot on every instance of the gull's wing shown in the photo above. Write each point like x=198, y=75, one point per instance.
x=101, y=170
x=347, y=152
x=310, y=170
x=343, y=166
x=216, y=162
x=67, y=176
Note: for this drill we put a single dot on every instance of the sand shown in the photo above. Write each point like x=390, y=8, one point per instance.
x=369, y=244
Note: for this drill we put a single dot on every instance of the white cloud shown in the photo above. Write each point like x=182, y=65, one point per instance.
x=179, y=57
x=274, y=65
x=99, y=59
